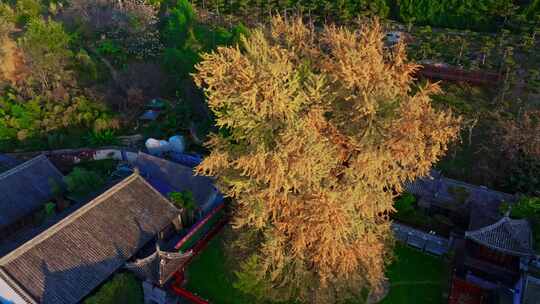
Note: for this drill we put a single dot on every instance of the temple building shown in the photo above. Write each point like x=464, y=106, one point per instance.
x=24, y=190
x=66, y=262
x=491, y=262
x=462, y=202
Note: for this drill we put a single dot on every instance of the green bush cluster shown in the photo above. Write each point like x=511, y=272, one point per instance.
x=102, y=138
x=183, y=199
x=40, y=117
x=185, y=39
x=482, y=15
x=527, y=208
x=344, y=10
x=405, y=204
x=407, y=213
x=82, y=182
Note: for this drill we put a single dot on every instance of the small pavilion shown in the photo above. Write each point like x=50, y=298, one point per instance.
x=489, y=262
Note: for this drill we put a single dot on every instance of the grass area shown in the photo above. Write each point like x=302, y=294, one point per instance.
x=209, y=277
x=425, y=275
x=416, y=277
x=122, y=288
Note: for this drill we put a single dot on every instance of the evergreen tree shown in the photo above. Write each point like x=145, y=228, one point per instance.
x=319, y=130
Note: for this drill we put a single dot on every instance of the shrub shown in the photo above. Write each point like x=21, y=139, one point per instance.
x=7, y=19
x=102, y=138
x=527, y=208
x=183, y=200
x=405, y=204
x=180, y=62
x=123, y=288
x=81, y=182
x=86, y=67
x=40, y=116
x=482, y=15
x=26, y=10
x=179, y=24
x=50, y=209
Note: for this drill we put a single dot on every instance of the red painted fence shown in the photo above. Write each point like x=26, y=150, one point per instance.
x=456, y=74
x=176, y=286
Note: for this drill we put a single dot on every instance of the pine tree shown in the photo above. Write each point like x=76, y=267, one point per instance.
x=319, y=130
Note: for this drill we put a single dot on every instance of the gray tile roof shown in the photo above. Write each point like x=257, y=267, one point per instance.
x=67, y=261
x=507, y=235
x=437, y=187
x=482, y=202
x=167, y=176
x=8, y=162
x=160, y=266
x=25, y=188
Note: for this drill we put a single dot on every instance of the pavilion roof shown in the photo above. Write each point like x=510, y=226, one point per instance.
x=507, y=235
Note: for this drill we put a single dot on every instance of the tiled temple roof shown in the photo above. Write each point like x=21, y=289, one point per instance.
x=67, y=261
x=507, y=235
x=25, y=188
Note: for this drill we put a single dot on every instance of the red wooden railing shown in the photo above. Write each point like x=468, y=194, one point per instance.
x=198, y=226
x=176, y=286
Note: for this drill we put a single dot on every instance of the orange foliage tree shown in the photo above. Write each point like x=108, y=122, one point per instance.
x=319, y=129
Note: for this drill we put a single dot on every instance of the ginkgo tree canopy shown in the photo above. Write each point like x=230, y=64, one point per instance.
x=319, y=130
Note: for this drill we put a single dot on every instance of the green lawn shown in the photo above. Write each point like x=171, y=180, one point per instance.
x=415, y=277
x=209, y=278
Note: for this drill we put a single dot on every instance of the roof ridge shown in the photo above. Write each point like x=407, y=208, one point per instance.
x=505, y=223
x=475, y=186
x=488, y=227
x=68, y=220
x=22, y=166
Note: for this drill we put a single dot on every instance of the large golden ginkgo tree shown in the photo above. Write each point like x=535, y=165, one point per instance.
x=319, y=129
